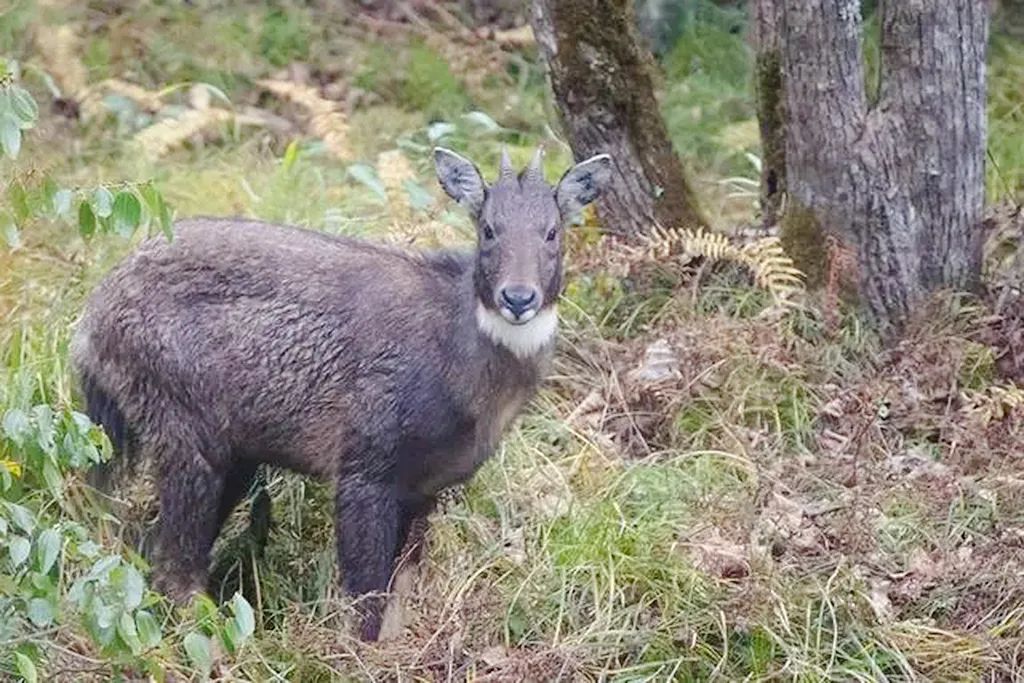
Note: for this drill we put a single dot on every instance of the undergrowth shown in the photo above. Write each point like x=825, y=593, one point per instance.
x=719, y=481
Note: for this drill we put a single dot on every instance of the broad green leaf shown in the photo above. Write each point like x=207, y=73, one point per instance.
x=367, y=176
x=62, y=203
x=197, y=647
x=440, y=129
x=47, y=549
x=104, y=614
x=102, y=202
x=102, y=567
x=10, y=135
x=49, y=190
x=26, y=668
x=148, y=629
x=22, y=518
x=244, y=617
x=54, y=481
x=18, y=550
x=43, y=584
x=158, y=209
x=129, y=633
x=150, y=196
x=16, y=425
x=88, y=548
x=86, y=220
x=230, y=637
x=133, y=586
x=419, y=198
x=45, y=429
x=126, y=213
x=40, y=612
x=483, y=121
x=23, y=106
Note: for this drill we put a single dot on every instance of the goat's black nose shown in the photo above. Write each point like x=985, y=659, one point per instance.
x=518, y=298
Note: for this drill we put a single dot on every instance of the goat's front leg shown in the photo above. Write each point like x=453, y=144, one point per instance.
x=368, y=520
x=413, y=527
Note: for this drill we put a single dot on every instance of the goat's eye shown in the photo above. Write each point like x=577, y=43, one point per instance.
x=551, y=234
x=488, y=232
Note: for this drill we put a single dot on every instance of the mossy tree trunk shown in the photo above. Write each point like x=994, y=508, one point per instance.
x=603, y=85
x=769, y=95
x=899, y=182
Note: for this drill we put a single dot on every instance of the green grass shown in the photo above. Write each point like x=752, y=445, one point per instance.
x=745, y=532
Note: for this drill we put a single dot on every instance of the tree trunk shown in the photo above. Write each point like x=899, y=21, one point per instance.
x=769, y=95
x=604, y=89
x=901, y=182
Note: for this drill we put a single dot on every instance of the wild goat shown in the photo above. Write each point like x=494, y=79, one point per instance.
x=391, y=373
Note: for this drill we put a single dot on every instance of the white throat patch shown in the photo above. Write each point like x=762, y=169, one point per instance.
x=522, y=340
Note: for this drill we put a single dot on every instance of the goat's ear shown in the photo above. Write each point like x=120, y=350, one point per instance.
x=582, y=184
x=460, y=178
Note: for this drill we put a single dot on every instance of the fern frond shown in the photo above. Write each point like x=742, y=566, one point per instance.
x=60, y=49
x=325, y=122
x=166, y=134
x=765, y=259
x=994, y=403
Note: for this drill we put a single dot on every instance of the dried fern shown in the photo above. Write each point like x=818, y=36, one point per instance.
x=59, y=48
x=166, y=134
x=764, y=258
x=326, y=122
x=994, y=403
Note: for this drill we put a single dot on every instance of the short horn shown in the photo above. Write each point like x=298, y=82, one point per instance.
x=505, y=168
x=535, y=170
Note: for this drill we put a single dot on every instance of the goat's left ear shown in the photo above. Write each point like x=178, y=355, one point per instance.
x=582, y=184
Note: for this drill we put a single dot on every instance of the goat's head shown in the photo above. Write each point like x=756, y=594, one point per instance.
x=520, y=220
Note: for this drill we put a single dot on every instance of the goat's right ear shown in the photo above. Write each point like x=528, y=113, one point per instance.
x=460, y=178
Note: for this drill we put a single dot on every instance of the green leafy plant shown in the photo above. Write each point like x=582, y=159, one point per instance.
x=119, y=209
x=18, y=110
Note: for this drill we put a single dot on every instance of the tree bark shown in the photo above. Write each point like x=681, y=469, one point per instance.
x=901, y=182
x=604, y=89
x=770, y=97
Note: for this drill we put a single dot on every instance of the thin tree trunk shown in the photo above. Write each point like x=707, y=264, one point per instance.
x=770, y=97
x=603, y=85
x=901, y=183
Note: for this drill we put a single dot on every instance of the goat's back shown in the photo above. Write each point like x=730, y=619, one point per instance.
x=264, y=336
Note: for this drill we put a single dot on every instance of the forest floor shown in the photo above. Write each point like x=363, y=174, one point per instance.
x=715, y=483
